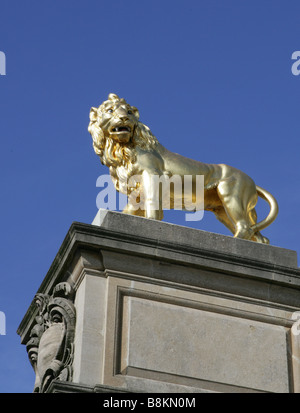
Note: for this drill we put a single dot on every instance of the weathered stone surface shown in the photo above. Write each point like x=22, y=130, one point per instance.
x=202, y=345
x=163, y=232
x=163, y=308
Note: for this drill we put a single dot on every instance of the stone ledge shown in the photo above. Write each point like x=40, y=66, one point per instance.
x=163, y=232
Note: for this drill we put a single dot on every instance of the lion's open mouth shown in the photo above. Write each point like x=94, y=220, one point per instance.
x=121, y=129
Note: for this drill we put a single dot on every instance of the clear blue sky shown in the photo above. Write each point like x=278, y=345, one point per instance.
x=212, y=79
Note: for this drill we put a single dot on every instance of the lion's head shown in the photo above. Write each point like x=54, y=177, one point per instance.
x=117, y=132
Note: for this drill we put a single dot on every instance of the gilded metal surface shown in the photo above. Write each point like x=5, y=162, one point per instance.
x=128, y=148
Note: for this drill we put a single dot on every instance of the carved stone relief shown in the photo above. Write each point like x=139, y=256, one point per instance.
x=51, y=345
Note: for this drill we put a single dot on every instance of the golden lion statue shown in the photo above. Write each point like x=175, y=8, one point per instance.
x=128, y=148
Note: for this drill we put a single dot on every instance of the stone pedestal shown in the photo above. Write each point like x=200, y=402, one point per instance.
x=134, y=305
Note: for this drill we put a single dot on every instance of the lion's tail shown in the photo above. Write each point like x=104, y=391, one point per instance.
x=273, y=209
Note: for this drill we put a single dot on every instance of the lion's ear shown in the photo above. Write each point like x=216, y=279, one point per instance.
x=113, y=96
x=93, y=114
x=135, y=111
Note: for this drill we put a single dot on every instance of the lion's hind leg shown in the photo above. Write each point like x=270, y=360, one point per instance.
x=257, y=236
x=237, y=203
x=222, y=216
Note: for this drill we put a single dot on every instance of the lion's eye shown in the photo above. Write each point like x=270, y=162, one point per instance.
x=129, y=112
x=110, y=111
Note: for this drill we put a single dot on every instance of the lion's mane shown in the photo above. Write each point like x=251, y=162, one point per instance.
x=120, y=157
